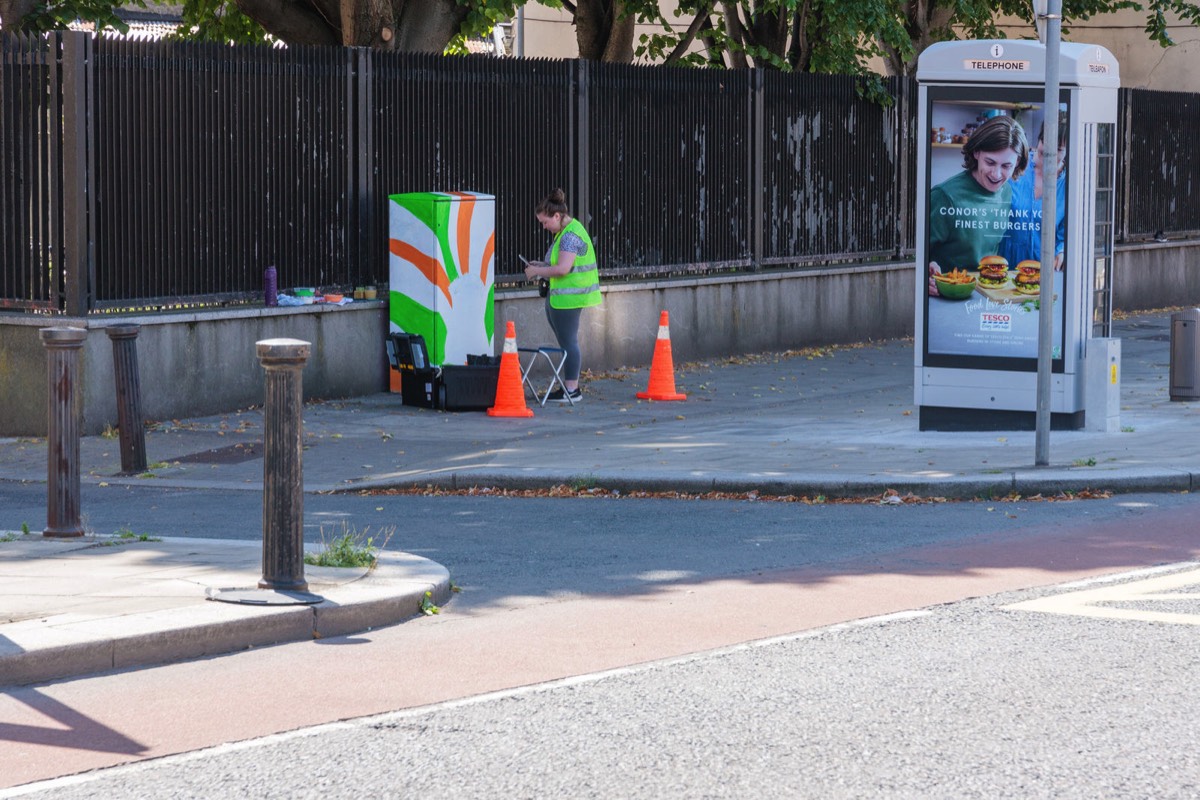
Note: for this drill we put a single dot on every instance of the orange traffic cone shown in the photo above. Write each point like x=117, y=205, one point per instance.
x=662, y=369
x=510, y=396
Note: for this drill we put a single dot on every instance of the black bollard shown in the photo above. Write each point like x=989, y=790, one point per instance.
x=64, y=421
x=129, y=397
x=283, y=472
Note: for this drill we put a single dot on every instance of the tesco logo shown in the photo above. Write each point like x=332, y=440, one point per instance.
x=995, y=322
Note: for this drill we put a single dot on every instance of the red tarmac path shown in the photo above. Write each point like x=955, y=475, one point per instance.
x=89, y=723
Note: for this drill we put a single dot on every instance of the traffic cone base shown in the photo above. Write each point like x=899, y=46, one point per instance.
x=662, y=367
x=510, y=395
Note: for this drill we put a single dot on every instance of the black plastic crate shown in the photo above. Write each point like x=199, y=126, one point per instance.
x=469, y=387
x=406, y=351
x=420, y=387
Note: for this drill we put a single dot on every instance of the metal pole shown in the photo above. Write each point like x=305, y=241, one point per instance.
x=1049, y=169
x=283, y=472
x=519, y=45
x=130, y=422
x=64, y=421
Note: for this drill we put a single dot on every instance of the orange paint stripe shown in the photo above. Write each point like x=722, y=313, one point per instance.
x=464, y=233
x=489, y=250
x=430, y=267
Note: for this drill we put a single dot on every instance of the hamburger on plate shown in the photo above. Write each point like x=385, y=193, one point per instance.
x=993, y=271
x=1029, y=277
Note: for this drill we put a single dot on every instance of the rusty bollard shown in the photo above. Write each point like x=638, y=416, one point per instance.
x=130, y=423
x=64, y=401
x=283, y=472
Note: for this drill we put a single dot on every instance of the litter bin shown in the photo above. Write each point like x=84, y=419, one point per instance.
x=1185, y=350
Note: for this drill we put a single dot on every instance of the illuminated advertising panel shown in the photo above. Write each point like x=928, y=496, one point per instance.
x=982, y=245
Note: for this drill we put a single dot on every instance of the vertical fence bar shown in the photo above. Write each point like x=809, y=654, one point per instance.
x=1125, y=148
x=903, y=144
x=582, y=146
x=77, y=184
x=757, y=150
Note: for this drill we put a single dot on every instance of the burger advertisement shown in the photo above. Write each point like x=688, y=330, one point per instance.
x=982, y=246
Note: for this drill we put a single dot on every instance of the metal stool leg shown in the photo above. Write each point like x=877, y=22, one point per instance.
x=556, y=378
x=556, y=370
x=526, y=368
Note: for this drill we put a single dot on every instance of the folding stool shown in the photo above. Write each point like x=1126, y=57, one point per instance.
x=555, y=357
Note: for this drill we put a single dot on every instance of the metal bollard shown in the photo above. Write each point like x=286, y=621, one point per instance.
x=129, y=397
x=64, y=421
x=283, y=473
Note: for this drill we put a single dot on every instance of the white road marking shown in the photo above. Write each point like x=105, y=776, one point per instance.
x=1098, y=603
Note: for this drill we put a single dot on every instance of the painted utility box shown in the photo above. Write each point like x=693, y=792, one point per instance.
x=980, y=281
x=442, y=249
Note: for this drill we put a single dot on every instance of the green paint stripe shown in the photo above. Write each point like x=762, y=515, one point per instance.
x=412, y=317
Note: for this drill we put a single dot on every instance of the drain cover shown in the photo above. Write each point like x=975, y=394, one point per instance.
x=233, y=454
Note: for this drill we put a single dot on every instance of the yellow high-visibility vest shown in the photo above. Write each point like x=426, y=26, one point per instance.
x=580, y=287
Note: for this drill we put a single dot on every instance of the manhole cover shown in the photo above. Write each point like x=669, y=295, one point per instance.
x=233, y=454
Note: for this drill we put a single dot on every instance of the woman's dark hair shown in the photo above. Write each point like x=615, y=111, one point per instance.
x=1062, y=139
x=1062, y=131
x=553, y=203
x=998, y=133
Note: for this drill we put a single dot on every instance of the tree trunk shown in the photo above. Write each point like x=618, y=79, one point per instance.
x=293, y=23
x=736, y=33
x=924, y=21
x=422, y=29
x=368, y=23
x=12, y=12
x=803, y=25
x=421, y=26
x=604, y=31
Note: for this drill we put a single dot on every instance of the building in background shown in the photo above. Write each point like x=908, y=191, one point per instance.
x=549, y=33
x=1144, y=64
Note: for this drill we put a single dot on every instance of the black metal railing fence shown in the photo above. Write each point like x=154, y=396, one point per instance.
x=213, y=163
x=160, y=174
x=1162, y=163
x=30, y=147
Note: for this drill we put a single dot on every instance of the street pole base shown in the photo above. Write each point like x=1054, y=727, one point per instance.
x=263, y=597
x=63, y=533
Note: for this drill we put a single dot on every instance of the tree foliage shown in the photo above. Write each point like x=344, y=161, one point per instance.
x=843, y=36
x=831, y=36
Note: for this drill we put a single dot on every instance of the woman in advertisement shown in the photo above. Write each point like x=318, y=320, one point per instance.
x=1024, y=237
x=969, y=212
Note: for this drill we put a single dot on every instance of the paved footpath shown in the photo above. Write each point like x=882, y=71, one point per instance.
x=830, y=421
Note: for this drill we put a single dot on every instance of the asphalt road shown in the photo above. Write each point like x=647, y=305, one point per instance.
x=498, y=547
x=973, y=699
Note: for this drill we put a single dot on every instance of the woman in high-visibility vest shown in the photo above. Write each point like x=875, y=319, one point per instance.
x=571, y=268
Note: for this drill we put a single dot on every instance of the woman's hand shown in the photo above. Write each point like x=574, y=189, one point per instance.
x=531, y=269
x=934, y=269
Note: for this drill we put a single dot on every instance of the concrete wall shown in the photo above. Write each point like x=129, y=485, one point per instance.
x=728, y=315
x=192, y=363
x=196, y=364
x=1153, y=275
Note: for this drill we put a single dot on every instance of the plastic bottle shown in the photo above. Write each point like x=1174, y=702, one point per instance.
x=270, y=287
